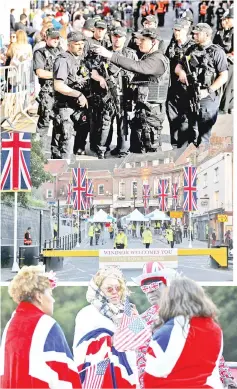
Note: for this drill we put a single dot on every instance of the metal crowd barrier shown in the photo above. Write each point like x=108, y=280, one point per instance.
x=66, y=242
x=17, y=90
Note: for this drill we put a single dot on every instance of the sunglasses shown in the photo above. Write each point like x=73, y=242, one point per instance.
x=111, y=289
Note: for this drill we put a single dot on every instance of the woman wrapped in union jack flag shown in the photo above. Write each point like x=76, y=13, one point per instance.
x=34, y=351
x=154, y=279
x=95, y=328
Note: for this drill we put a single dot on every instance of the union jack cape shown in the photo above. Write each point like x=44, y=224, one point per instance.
x=175, y=193
x=35, y=353
x=163, y=195
x=15, y=161
x=79, y=188
x=190, y=188
x=89, y=193
x=93, y=344
x=146, y=195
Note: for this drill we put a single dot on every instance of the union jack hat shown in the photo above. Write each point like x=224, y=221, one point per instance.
x=155, y=271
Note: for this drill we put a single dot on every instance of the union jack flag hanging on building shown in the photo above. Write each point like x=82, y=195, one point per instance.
x=79, y=189
x=15, y=161
x=89, y=193
x=69, y=194
x=146, y=195
x=190, y=188
x=163, y=195
x=175, y=193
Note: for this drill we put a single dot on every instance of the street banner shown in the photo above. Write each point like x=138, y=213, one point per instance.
x=15, y=162
x=163, y=195
x=190, y=188
x=89, y=193
x=175, y=190
x=69, y=194
x=79, y=189
x=146, y=196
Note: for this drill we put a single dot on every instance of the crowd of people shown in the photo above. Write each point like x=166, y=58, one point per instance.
x=101, y=80
x=179, y=343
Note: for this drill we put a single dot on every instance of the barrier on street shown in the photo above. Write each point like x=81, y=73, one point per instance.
x=135, y=258
x=17, y=90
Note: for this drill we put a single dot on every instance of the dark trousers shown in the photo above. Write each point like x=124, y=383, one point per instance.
x=201, y=18
x=111, y=234
x=207, y=117
x=172, y=244
x=147, y=245
x=97, y=237
x=161, y=19
x=185, y=233
x=91, y=240
x=63, y=137
x=45, y=111
x=227, y=100
x=82, y=128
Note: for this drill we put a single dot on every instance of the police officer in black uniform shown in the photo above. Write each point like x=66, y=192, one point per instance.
x=225, y=38
x=43, y=66
x=219, y=13
x=207, y=64
x=116, y=75
x=98, y=86
x=151, y=80
x=69, y=82
x=177, y=104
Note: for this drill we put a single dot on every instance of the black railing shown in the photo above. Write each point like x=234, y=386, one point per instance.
x=66, y=242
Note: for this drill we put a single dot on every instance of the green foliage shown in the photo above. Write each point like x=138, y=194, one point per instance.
x=38, y=175
x=70, y=300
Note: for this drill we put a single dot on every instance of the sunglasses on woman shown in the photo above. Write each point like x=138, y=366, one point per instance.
x=111, y=289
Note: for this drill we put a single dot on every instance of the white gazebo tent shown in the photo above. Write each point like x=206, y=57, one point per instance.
x=157, y=215
x=136, y=216
x=100, y=217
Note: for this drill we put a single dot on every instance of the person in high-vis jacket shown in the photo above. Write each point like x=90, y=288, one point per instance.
x=91, y=234
x=121, y=240
x=147, y=237
x=27, y=237
x=170, y=236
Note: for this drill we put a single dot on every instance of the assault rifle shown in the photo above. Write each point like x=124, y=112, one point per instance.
x=193, y=88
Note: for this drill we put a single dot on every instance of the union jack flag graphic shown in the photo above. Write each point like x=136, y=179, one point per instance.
x=69, y=194
x=79, y=189
x=175, y=193
x=146, y=195
x=163, y=195
x=190, y=188
x=89, y=193
x=15, y=161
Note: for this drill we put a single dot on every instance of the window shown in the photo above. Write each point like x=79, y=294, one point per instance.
x=155, y=162
x=216, y=174
x=205, y=180
x=216, y=199
x=101, y=189
x=134, y=189
x=144, y=164
x=127, y=166
x=166, y=160
x=49, y=193
x=122, y=189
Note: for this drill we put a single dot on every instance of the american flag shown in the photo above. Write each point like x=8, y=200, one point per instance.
x=79, y=189
x=69, y=194
x=94, y=375
x=163, y=195
x=175, y=193
x=89, y=193
x=133, y=331
x=15, y=161
x=146, y=195
x=190, y=188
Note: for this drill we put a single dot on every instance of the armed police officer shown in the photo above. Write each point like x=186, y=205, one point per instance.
x=43, y=66
x=225, y=38
x=70, y=104
x=114, y=108
x=204, y=70
x=177, y=104
x=151, y=80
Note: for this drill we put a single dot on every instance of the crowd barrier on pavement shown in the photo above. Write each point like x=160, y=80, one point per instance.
x=17, y=90
x=135, y=258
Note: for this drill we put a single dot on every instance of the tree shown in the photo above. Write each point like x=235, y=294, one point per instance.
x=37, y=172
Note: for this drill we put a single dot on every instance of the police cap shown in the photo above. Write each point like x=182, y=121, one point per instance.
x=120, y=31
x=100, y=24
x=180, y=24
x=203, y=27
x=149, y=33
x=75, y=36
x=52, y=33
x=89, y=24
x=96, y=18
x=187, y=15
x=150, y=18
x=229, y=13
